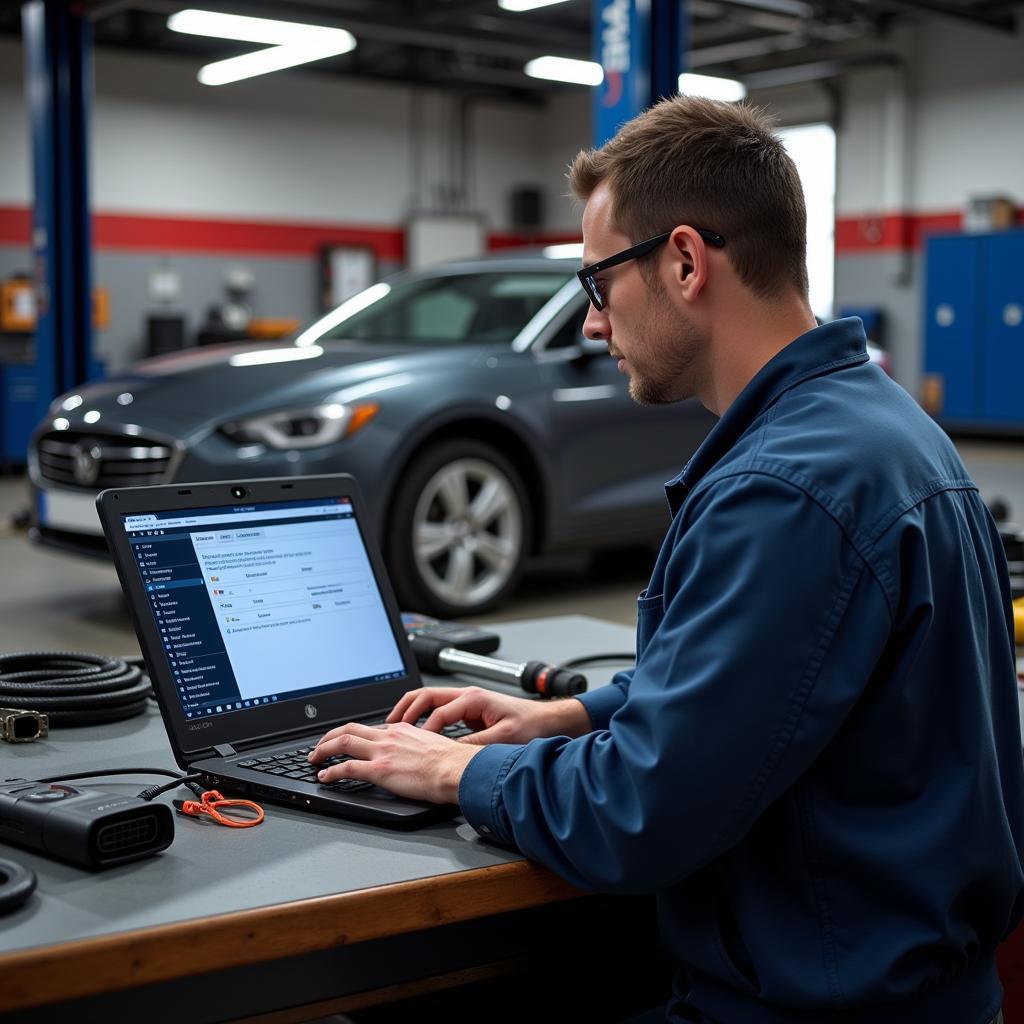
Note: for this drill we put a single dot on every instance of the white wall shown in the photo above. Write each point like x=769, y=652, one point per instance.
x=15, y=185
x=969, y=134
x=304, y=146
x=958, y=112
x=303, y=149
x=921, y=141
x=296, y=147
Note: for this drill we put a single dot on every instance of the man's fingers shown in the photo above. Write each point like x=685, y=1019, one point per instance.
x=448, y=714
x=360, y=770
x=413, y=705
x=418, y=708
x=396, y=713
x=347, y=739
x=483, y=737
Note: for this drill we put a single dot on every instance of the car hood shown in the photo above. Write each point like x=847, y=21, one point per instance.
x=192, y=391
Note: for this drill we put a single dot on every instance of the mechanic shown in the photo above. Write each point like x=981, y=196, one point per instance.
x=816, y=761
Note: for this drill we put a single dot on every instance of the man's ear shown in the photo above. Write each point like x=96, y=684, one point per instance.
x=689, y=260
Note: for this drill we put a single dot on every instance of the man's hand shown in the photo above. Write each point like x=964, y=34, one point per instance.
x=493, y=717
x=414, y=763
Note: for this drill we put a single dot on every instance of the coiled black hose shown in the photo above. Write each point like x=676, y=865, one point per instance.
x=74, y=689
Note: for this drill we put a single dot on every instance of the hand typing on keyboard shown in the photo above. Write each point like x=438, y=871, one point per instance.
x=416, y=763
x=489, y=717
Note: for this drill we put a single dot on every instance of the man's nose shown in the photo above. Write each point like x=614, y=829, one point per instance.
x=596, y=326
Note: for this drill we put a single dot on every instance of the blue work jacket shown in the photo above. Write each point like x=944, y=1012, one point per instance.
x=816, y=762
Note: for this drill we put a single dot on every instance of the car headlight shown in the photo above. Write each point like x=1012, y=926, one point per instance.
x=302, y=428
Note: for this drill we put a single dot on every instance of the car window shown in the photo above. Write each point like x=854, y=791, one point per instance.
x=570, y=332
x=450, y=309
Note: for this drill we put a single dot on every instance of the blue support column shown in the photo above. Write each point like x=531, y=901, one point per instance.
x=58, y=81
x=641, y=46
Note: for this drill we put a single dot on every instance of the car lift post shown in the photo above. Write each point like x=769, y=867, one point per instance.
x=641, y=45
x=57, y=42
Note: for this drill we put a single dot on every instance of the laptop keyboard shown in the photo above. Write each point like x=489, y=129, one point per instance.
x=294, y=764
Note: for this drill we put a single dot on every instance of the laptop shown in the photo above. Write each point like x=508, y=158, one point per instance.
x=265, y=618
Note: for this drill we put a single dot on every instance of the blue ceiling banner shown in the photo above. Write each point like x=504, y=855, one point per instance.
x=622, y=48
x=640, y=48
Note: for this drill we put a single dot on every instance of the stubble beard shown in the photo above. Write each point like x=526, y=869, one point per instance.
x=672, y=345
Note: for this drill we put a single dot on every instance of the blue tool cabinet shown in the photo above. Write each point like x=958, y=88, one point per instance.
x=974, y=329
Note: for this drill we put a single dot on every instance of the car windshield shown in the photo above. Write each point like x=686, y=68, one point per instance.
x=452, y=309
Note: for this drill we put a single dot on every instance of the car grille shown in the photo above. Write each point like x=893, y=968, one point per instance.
x=91, y=461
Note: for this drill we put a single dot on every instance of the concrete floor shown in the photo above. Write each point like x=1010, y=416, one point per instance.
x=51, y=602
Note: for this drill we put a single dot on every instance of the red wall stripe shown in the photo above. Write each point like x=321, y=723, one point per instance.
x=509, y=240
x=112, y=231
x=895, y=232
x=891, y=232
x=15, y=225
x=187, y=234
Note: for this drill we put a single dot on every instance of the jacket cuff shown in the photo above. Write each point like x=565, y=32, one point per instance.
x=601, y=704
x=480, y=797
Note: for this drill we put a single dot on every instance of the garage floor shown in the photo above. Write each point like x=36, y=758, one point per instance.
x=54, y=602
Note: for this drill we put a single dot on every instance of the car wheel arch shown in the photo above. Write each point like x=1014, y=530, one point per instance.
x=501, y=434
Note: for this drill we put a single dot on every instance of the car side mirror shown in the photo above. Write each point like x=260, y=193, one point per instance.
x=587, y=349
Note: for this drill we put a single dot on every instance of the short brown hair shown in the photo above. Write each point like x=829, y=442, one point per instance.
x=710, y=165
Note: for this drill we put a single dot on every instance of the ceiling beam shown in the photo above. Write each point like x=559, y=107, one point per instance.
x=1002, y=20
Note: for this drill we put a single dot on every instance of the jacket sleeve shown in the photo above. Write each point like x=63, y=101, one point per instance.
x=603, y=702
x=771, y=625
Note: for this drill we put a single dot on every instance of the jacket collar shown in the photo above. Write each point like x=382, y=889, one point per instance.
x=826, y=349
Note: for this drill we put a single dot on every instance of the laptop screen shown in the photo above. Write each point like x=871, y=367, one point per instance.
x=257, y=604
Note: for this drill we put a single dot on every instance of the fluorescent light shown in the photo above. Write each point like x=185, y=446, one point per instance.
x=527, y=5
x=726, y=89
x=253, y=30
x=565, y=69
x=289, y=43
x=262, y=62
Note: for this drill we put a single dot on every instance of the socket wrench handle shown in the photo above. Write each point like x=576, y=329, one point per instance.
x=533, y=676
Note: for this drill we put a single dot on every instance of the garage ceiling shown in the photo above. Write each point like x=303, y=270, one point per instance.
x=476, y=47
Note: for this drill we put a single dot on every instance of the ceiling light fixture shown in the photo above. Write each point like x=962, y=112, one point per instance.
x=289, y=43
x=726, y=89
x=565, y=69
x=527, y=5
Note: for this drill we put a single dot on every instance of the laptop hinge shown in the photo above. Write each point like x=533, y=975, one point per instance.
x=224, y=749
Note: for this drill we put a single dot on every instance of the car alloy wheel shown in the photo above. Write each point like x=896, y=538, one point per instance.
x=464, y=520
x=467, y=532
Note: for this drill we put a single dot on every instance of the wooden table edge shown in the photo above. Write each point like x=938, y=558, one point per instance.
x=107, y=963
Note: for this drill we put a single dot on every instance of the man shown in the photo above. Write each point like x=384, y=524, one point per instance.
x=816, y=761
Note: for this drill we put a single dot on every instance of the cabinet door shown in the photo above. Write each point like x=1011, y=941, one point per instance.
x=951, y=323
x=1002, y=391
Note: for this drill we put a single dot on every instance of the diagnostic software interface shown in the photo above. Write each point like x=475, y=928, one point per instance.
x=261, y=603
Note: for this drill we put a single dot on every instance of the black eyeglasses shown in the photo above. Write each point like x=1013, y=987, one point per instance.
x=588, y=275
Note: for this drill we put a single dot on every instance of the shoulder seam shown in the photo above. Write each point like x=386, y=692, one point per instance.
x=861, y=543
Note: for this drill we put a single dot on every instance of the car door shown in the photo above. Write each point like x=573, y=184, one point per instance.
x=613, y=455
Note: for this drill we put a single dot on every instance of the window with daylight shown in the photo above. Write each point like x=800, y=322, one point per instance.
x=813, y=149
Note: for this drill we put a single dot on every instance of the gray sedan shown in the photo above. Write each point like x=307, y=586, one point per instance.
x=482, y=426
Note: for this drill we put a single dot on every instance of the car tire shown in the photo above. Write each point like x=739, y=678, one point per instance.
x=459, y=530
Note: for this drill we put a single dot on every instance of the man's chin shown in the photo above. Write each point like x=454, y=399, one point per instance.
x=643, y=392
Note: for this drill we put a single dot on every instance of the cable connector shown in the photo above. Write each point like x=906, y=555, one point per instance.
x=20, y=725
x=211, y=805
